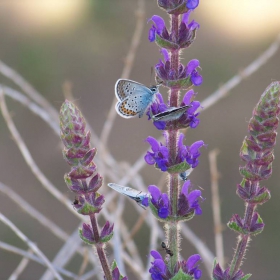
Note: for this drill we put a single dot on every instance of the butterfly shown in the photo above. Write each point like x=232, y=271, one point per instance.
x=185, y=175
x=137, y=196
x=171, y=114
x=133, y=98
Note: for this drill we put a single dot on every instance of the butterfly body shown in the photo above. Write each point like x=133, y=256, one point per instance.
x=136, y=195
x=171, y=114
x=133, y=98
x=185, y=175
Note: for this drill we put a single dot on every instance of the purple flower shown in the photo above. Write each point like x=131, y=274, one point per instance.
x=192, y=4
x=188, y=202
x=219, y=274
x=190, y=154
x=189, y=119
x=160, y=201
x=158, y=269
x=145, y=201
x=190, y=266
x=158, y=28
x=165, y=73
x=159, y=156
x=191, y=71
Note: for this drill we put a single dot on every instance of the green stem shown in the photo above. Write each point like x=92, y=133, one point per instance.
x=242, y=241
x=100, y=249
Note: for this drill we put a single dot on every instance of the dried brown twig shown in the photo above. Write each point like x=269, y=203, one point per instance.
x=216, y=205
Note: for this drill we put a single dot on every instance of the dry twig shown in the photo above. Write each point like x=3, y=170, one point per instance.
x=216, y=205
x=30, y=244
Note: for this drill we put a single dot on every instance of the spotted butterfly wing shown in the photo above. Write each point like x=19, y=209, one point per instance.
x=133, y=98
x=171, y=114
x=136, y=195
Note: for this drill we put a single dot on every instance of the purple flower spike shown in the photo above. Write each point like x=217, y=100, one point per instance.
x=192, y=4
x=160, y=201
x=159, y=156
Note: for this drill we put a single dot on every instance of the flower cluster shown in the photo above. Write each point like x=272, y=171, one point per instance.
x=159, y=33
x=178, y=6
x=188, y=203
x=219, y=274
x=184, y=268
x=188, y=155
x=186, y=77
x=189, y=118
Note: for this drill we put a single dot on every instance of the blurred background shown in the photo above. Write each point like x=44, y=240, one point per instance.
x=79, y=46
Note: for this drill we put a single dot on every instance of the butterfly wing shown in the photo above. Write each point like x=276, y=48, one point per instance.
x=134, y=98
x=135, y=104
x=171, y=114
x=125, y=88
x=136, y=195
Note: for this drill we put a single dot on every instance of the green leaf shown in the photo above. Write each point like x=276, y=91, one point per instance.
x=178, y=168
x=262, y=198
x=234, y=226
x=182, y=276
x=247, y=276
x=113, y=265
x=107, y=238
x=166, y=44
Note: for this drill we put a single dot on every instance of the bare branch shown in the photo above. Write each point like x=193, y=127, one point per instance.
x=128, y=64
x=216, y=205
x=224, y=90
x=28, y=89
x=20, y=268
x=29, y=160
x=43, y=220
x=34, y=258
x=30, y=244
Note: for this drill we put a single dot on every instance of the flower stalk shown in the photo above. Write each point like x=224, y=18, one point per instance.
x=257, y=153
x=84, y=180
x=174, y=157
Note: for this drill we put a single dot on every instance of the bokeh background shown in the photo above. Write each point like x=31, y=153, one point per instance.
x=80, y=46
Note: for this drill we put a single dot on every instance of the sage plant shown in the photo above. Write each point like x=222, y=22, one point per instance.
x=174, y=157
x=84, y=180
x=257, y=152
